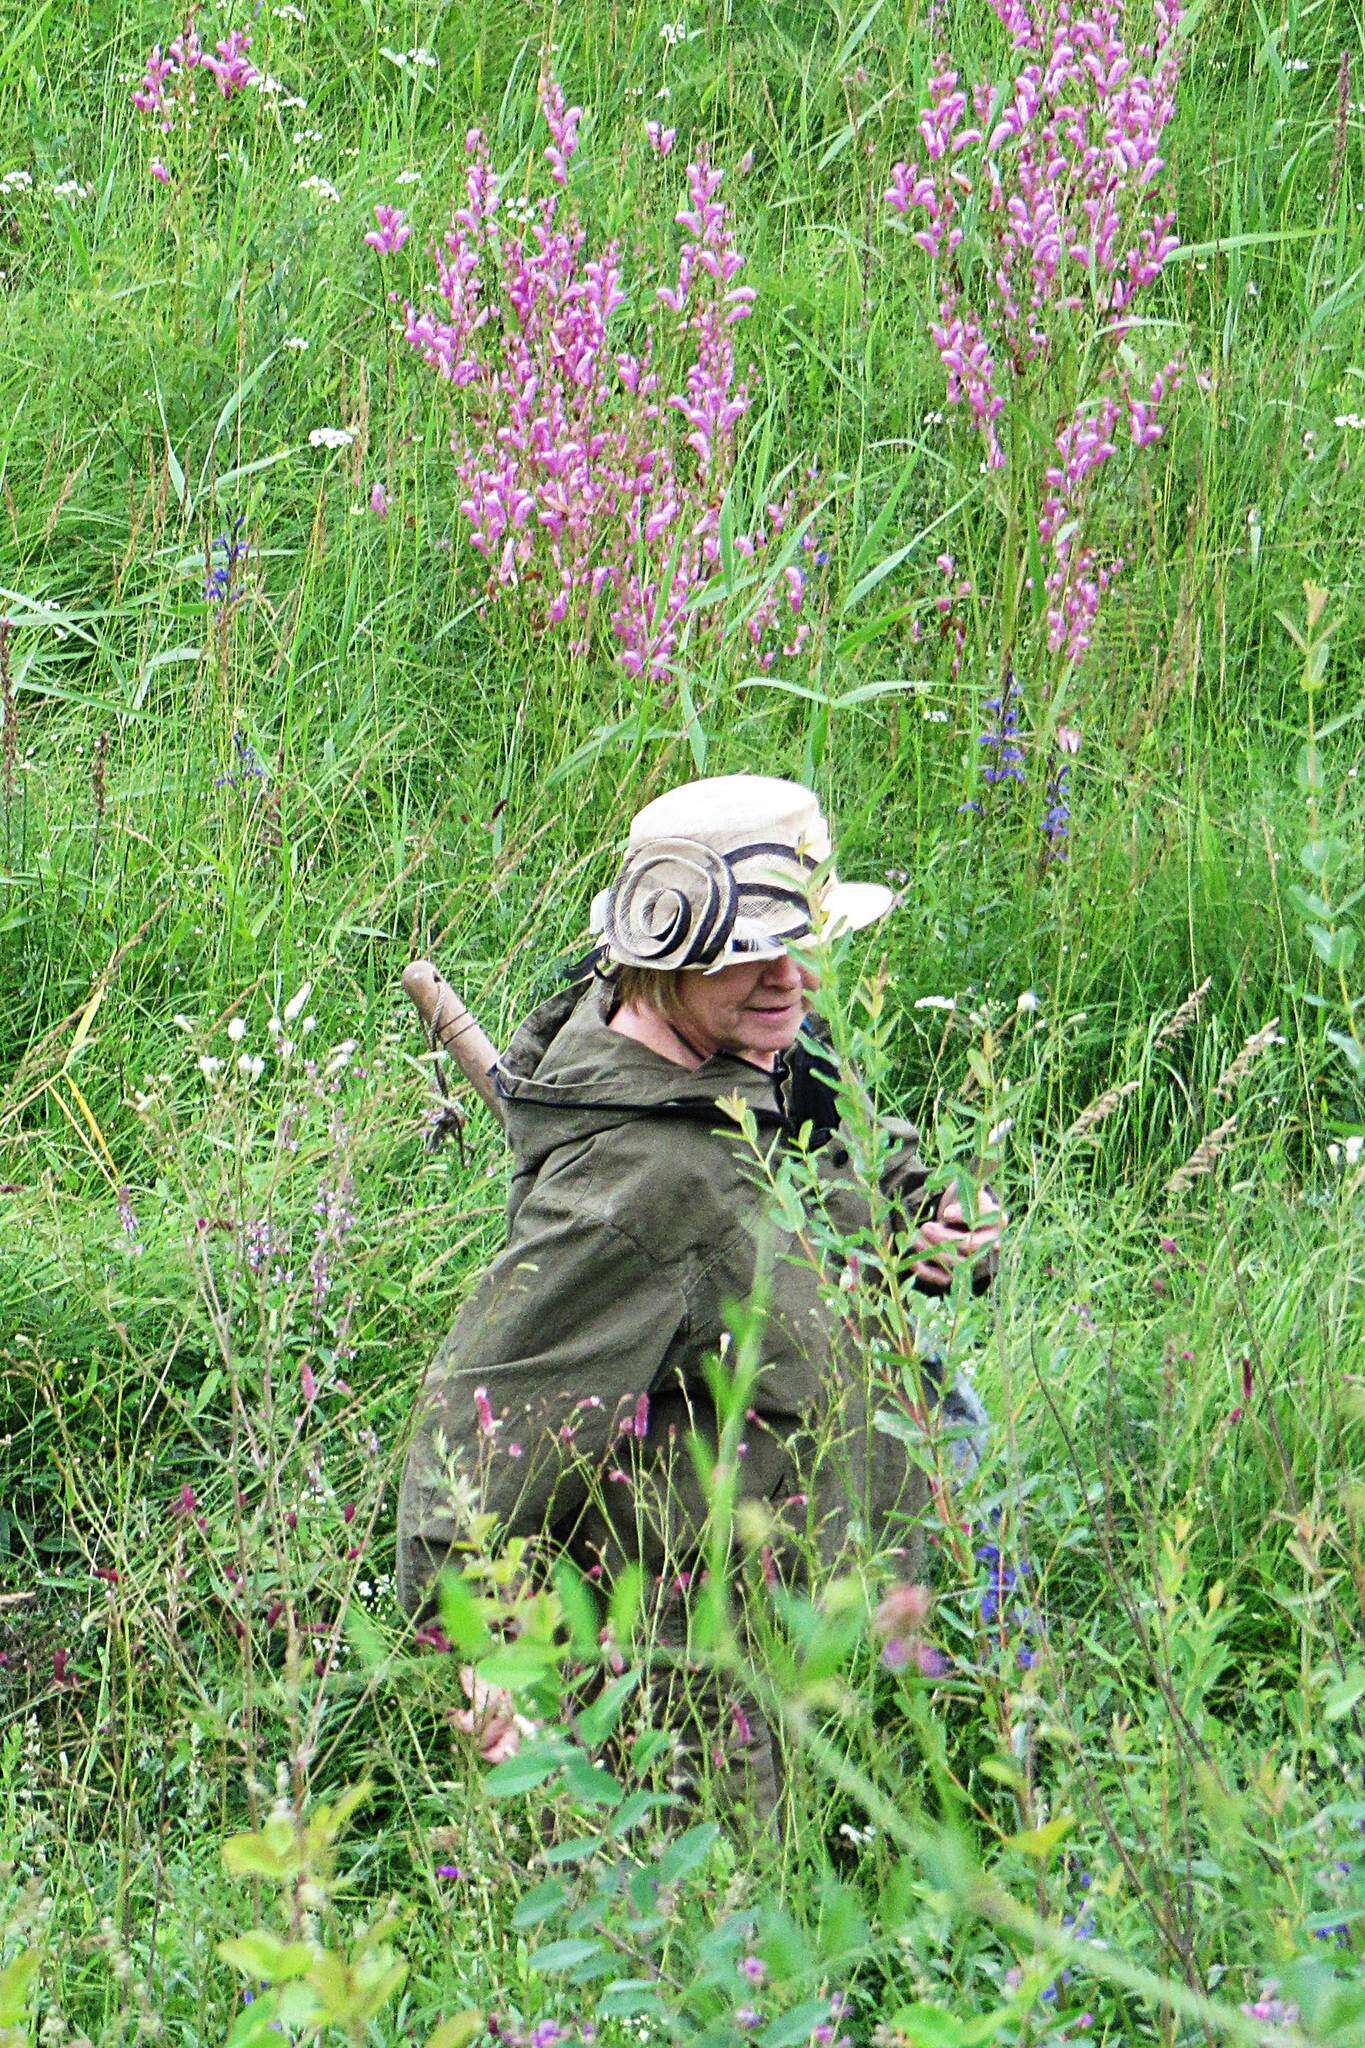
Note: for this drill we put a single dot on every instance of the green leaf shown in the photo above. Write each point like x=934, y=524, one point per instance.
x=1353, y=1049
x=927, y=2026
x=577, y=1851
x=629, y=1998
x=15, y=1981
x=539, y=1904
x=625, y=1602
x=586, y=1782
x=1040, y=1842
x=1335, y=949
x=519, y=1665
x=259, y=1953
x=370, y=1648
x=637, y=1807
x=580, y=1607
x=688, y=1853
x=457, y=2030
x=795, y=2026
x=461, y=1617
x=562, y=1955
x=1344, y=1694
x=596, y=1722
x=522, y=1773
x=1307, y=903
x=1323, y=856
x=274, y=1852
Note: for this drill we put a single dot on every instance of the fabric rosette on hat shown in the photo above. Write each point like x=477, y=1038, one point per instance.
x=730, y=868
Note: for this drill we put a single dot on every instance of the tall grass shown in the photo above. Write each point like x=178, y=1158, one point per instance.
x=356, y=761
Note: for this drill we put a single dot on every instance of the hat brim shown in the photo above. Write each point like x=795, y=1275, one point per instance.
x=844, y=907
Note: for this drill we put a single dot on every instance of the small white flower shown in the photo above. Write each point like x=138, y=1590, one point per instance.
x=324, y=188
x=293, y=99
x=672, y=33
x=297, y=341
x=999, y=1131
x=936, y=1003
x=330, y=437
x=237, y=1030
x=288, y=12
x=1354, y=420
x=182, y=1022
x=209, y=1067
x=296, y=1002
x=17, y=181
x=308, y=1024
x=1350, y=1153
x=423, y=58
x=274, y=1027
x=408, y=178
x=265, y=83
x=934, y=717
x=72, y=188
x=1296, y=63
x=252, y=1065
x=302, y=136
x=343, y=1056
x=1027, y=1003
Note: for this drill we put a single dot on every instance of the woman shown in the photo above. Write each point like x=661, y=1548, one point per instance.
x=564, y=1397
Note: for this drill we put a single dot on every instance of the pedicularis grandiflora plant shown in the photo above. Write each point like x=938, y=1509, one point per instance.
x=601, y=414
x=1035, y=200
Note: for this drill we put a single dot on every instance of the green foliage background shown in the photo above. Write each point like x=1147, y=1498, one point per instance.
x=444, y=780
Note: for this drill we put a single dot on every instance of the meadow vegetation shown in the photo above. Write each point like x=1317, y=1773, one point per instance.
x=319, y=652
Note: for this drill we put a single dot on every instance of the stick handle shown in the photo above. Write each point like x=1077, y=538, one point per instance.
x=455, y=1027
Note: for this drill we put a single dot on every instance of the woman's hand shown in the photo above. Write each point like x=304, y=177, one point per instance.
x=952, y=1240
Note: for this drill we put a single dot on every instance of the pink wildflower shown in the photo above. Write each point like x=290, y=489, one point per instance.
x=379, y=501
x=661, y=139
x=393, y=230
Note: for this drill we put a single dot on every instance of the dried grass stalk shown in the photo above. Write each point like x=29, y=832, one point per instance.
x=1176, y=1026
x=1103, y=1106
x=1202, y=1159
x=1259, y=1042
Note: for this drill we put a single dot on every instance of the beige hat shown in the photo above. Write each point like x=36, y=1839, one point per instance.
x=735, y=867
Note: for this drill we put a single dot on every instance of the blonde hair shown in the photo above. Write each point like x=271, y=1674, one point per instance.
x=653, y=988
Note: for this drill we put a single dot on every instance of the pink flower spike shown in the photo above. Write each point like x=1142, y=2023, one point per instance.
x=661, y=139
x=1069, y=739
x=159, y=171
x=379, y=501
x=393, y=230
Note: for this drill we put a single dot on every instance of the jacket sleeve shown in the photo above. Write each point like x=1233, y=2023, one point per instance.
x=543, y=1369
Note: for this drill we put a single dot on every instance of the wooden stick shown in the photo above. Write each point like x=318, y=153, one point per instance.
x=450, y=1024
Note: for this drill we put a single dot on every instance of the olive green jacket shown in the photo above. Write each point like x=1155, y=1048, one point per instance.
x=564, y=1397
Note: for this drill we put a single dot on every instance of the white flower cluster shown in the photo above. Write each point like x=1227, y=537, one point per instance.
x=1350, y=1153
x=673, y=33
x=409, y=60
x=16, y=181
x=330, y=437
x=323, y=187
x=72, y=188
x=1354, y=420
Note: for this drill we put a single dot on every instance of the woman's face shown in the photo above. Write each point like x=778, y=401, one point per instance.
x=754, y=1008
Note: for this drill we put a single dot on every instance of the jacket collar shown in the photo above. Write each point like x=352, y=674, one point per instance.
x=565, y=1056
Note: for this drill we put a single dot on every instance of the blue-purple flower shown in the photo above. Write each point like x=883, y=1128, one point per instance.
x=1001, y=739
